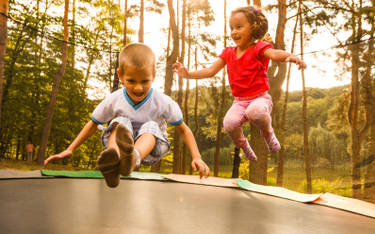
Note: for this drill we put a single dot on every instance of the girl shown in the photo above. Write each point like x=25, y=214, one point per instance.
x=247, y=65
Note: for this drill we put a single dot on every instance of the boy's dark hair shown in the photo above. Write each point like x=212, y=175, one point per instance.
x=138, y=55
x=258, y=22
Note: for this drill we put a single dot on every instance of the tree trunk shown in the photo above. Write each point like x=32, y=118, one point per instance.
x=353, y=113
x=186, y=106
x=181, y=83
x=169, y=78
x=196, y=130
x=4, y=4
x=172, y=58
x=55, y=88
x=257, y=3
x=141, y=22
x=73, y=35
x=116, y=79
x=369, y=96
x=281, y=156
x=258, y=169
x=304, y=118
x=221, y=111
x=236, y=163
x=125, y=21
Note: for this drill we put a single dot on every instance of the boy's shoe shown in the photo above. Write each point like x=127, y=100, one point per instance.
x=273, y=144
x=129, y=157
x=108, y=164
x=248, y=152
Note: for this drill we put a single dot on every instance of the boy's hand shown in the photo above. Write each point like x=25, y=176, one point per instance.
x=294, y=59
x=64, y=154
x=180, y=70
x=203, y=168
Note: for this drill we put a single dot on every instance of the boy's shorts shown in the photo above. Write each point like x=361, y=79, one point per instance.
x=161, y=148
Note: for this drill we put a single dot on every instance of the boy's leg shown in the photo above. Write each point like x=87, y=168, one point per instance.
x=108, y=161
x=233, y=121
x=259, y=114
x=132, y=154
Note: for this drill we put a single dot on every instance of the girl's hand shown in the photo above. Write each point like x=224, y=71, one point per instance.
x=294, y=59
x=203, y=168
x=180, y=70
x=64, y=154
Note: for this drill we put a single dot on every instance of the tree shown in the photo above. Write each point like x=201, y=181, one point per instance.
x=304, y=117
x=281, y=155
x=4, y=4
x=258, y=169
x=58, y=76
x=222, y=104
x=176, y=151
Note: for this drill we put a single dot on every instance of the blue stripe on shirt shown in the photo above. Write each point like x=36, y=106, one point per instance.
x=177, y=123
x=96, y=121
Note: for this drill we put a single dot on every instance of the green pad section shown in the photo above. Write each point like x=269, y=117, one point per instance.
x=74, y=174
x=97, y=174
x=146, y=176
x=277, y=191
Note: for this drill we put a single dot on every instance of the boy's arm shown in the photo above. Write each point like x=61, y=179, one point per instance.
x=200, y=74
x=86, y=132
x=189, y=140
x=283, y=56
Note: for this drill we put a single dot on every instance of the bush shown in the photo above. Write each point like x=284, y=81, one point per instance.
x=323, y=186
x=226, y=157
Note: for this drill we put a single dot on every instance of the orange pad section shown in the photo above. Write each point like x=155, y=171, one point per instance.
x=348, y=204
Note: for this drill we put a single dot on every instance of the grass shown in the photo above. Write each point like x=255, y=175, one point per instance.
x=19, y=165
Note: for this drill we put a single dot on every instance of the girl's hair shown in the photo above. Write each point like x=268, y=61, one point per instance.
x=258, y=22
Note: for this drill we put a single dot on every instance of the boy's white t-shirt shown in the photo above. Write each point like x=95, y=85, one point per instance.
x=156, y=107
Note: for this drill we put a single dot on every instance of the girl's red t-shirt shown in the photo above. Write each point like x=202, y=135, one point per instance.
x=247, y=74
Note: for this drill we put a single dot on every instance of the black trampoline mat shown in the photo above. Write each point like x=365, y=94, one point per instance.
x=139, y=206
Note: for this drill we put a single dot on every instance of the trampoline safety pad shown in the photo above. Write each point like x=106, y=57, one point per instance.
x=144, y=203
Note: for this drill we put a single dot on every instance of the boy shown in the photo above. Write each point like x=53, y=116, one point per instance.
x=138, y=134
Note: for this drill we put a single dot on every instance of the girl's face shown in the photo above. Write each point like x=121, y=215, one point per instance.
x=240, y=30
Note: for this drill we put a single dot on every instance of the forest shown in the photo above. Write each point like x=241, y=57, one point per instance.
x=58, y=60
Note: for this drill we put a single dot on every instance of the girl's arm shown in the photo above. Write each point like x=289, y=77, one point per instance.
x=86, y=132
x=283, y=56
x=189, y=140
x=200, y=74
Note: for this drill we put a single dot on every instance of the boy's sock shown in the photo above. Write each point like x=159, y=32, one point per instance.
x=248, y=152
x=272, y=144
x=129, y=157
x=108, y=164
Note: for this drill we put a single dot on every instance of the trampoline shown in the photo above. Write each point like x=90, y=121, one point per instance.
x=47, y=204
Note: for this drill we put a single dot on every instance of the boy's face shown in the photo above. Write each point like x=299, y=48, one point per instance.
x=137, y=82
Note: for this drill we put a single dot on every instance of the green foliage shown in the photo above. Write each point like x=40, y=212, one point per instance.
x=294, y=147
x=323, y=144
x=226, y=157
x=323, y=186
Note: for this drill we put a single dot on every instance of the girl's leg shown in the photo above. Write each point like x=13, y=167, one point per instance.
x=233, y=120
x=258, y=113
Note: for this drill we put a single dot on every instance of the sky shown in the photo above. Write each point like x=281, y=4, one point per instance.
x=320, y=71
